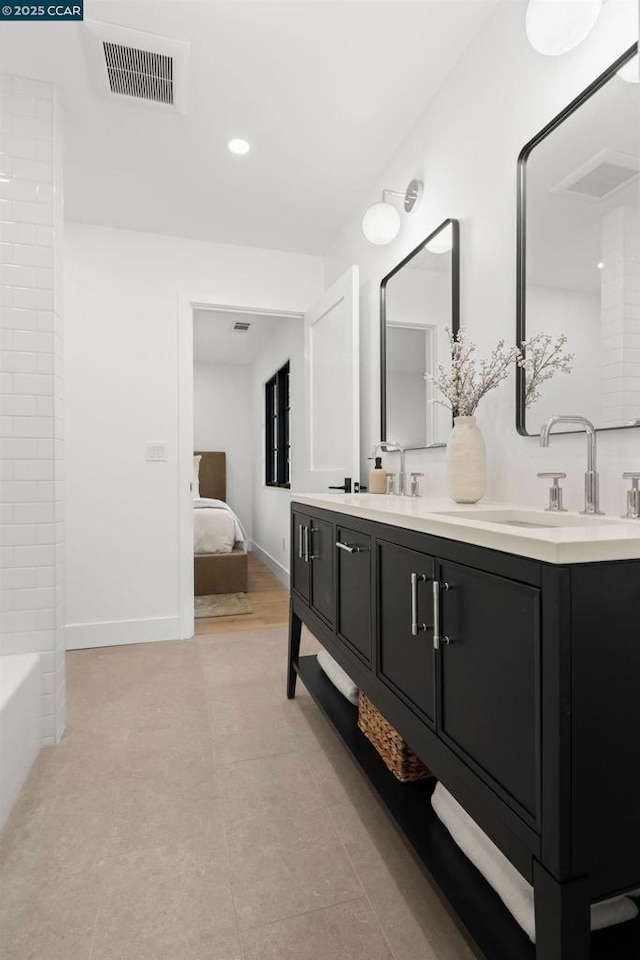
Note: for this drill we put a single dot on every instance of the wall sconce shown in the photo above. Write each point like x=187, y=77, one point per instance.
x=381, y=222
x=555, y=27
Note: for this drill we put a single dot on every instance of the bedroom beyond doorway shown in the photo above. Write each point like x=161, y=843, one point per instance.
x=269, y=600
x=240, y=514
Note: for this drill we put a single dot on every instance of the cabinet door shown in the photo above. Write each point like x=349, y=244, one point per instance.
x=406, y=654
x=300, y=567
x=354, y=590
x=321, y=550
x=489, y=679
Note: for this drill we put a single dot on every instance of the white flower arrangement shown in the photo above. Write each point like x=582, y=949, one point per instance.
x=466, y=382
x=541, y=358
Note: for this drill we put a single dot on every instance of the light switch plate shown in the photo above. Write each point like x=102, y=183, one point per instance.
x=156, y=451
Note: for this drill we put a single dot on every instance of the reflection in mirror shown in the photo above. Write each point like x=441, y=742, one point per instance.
x=579, y=255
x=419, y=301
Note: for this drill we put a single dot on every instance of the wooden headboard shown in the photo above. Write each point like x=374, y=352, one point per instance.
x=213, y=475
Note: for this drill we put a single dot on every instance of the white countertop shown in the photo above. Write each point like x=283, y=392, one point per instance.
x=593, y=539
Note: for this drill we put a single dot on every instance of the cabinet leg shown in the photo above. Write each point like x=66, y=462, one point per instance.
x=563, y=917
x=295, y=632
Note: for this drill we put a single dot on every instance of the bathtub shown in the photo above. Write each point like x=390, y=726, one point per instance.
x=20, y=733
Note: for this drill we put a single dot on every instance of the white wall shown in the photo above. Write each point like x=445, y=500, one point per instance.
x=31, y=514
x=271, y=520
x=465, y=148
x=223, y=418
x=122, y=388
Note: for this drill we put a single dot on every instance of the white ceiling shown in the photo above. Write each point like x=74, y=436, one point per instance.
x=325, y=90
x=215, y=341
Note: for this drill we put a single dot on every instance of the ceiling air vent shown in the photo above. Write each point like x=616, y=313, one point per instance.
x=241, y=326
x=601, y=176
x=140, y=67
x=139, y=73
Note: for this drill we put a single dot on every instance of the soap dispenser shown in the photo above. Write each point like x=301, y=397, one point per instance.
x=378, y=478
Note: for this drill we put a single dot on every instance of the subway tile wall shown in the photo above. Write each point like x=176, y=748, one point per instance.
x=31, y=382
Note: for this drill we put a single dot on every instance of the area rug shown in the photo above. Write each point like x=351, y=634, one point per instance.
x=222, y=605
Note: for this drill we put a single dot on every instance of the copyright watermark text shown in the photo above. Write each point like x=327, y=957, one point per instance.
x=41, y=11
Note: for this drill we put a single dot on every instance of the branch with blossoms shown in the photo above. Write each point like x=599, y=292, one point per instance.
x=467, y=381
x=541, y=358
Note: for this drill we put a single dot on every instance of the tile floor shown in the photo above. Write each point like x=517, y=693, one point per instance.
x=193, y=813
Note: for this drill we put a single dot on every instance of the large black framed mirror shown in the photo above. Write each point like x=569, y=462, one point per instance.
x=419, y=302
x=578, y=251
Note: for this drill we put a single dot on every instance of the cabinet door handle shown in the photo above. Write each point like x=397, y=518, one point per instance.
x=305, y=549
x=301, y=541
x=349, y=548
x=416, y=627
x=437, y=639
x=310, y=533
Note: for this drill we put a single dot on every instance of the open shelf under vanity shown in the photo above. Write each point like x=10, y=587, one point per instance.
x=494, y=933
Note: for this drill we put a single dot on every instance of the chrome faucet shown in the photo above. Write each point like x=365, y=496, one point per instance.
x=392, y=446
x=591, y=479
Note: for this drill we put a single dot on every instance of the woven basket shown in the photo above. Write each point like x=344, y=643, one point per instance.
x=399, y=758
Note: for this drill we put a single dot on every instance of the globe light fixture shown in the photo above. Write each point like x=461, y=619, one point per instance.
x=381, y=222
x=555, y=27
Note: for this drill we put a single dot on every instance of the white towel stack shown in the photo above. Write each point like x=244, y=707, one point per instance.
x=509, y=884
x=341, y=680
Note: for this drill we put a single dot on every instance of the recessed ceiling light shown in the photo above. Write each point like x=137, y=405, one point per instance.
x=600, y=265
x=239, y=146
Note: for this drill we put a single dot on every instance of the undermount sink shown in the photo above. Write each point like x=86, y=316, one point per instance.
x=525, y=518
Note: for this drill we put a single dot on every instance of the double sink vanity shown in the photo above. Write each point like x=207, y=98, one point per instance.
x=503, y=644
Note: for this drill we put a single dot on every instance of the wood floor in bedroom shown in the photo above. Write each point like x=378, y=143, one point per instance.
x=192, y=812
x=269, y=600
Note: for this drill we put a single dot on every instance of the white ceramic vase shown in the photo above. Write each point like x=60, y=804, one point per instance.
x=466, y=461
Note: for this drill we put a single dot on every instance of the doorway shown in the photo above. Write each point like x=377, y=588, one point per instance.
x=227, y=355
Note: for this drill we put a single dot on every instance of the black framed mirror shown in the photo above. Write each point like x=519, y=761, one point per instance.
x=419, y=301
x=578, y=258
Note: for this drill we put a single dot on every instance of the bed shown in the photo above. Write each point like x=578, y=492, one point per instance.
x=216, y=573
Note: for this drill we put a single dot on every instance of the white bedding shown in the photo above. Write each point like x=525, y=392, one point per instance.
x=216, y=528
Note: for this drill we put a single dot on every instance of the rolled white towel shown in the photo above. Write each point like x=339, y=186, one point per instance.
x=509, y=884
x=341, y=680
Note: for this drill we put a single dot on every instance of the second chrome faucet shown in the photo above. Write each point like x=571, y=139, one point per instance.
x=591, y=479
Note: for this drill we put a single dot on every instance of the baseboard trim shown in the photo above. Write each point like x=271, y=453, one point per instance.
x=281, y=572
x=82, y=636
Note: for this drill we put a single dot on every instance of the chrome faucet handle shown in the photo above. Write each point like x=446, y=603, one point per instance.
x=633, y=496
x=555, y=491
x=415, y=484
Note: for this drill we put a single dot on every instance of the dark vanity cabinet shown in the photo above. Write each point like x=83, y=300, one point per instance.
x=406, y=660
x=313, y=563
x=489, y=681
x=353, y=596
x=517, y=682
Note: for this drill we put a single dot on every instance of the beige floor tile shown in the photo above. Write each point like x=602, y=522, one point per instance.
x=48, y=918
x=57, y=834
x=165, y=903
x=348, y=931
x=149, y=814
x=267, y=787
x=282, y=868
x=150, y=753
x=245, y=729
x=417, y=924
x=185, y=770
